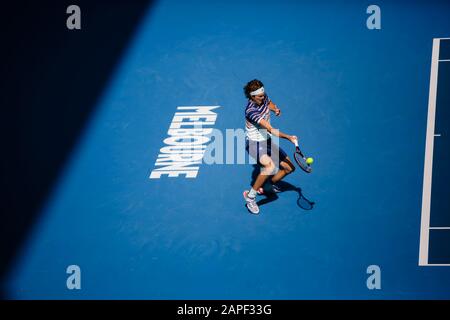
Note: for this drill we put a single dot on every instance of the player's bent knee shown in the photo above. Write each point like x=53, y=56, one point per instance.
x=288, y=168
x=291, y=169
x=268, y=169
x=265, y=160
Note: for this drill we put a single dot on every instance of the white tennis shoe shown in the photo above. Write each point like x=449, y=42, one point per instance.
x=251, y=204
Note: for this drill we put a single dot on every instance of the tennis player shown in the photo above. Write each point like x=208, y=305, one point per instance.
x=273, y=161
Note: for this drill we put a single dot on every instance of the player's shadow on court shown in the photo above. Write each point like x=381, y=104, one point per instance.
x=270, y=196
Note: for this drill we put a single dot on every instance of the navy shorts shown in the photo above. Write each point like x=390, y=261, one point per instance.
x=258, y=148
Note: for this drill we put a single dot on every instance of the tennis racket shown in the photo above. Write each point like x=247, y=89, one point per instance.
x=301, y=159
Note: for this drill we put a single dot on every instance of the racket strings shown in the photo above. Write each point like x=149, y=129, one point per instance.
x=301, y=161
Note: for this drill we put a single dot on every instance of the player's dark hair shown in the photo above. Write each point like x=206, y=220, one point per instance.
x=251, y=86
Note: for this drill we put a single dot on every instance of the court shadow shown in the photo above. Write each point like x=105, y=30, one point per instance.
x=51, y=84
x=302, y=201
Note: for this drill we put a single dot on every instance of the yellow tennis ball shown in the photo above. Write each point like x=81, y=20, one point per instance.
x=309, y=160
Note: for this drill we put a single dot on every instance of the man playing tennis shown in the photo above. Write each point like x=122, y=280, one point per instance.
x=259, y=144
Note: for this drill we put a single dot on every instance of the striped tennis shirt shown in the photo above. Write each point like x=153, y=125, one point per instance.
x=253, y=115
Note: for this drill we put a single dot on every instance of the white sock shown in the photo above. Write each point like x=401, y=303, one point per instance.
x=252, y=193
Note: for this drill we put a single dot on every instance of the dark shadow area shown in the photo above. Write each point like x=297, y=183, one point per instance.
x=302, y=202
x=51, y=81
x=270, y=196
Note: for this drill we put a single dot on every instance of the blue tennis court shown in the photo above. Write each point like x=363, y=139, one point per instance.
x=357, y=98
x=435, y=226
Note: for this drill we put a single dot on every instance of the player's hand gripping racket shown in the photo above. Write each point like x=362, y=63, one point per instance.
x=301, y=159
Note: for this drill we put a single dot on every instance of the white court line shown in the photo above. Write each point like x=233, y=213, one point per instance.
x=444, y=60
x=436, y=265
x=428, y=167
x=437, y=135
x=439, y=228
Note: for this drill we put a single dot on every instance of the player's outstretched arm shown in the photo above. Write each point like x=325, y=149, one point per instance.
x=274, y=108
x=266, y=125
